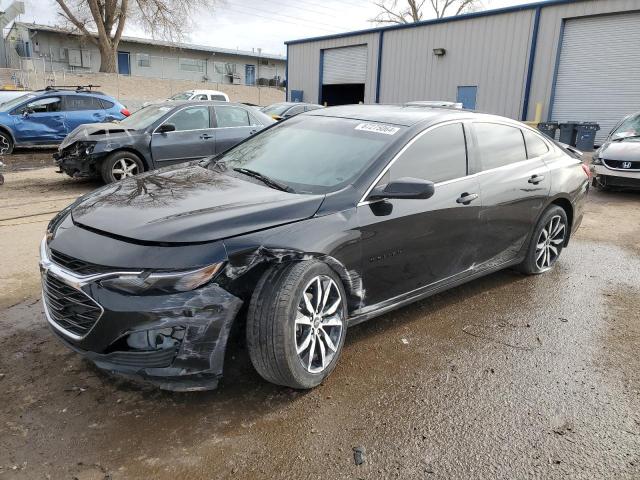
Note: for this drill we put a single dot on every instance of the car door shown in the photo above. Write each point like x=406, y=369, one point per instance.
x=81, y=108
x=233, y=124
x=40, y=121
x=193, y=137
x=408, y=244
x=514, y=187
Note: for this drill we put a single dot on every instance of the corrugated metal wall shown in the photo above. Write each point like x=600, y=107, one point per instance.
x=304, y=65
x=490, y=52
x=549, y=37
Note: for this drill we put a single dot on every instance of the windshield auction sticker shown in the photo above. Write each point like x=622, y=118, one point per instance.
x=377, y=128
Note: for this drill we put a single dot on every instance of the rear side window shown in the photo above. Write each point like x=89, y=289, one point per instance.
x=438, y=155
x=536, y=147
x=499, y=145
x=82, y=102
x=295, y=110
x=192, y=118
x=220, y=98
x=232, y=117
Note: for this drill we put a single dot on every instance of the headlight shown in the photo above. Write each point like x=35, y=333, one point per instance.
x=165, y=282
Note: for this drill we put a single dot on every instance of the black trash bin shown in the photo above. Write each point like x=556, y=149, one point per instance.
x=548, y=128
x=586, y=135
x=568, y=133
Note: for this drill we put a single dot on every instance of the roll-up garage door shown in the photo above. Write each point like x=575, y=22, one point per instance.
x=598, y=78
x=344, y=65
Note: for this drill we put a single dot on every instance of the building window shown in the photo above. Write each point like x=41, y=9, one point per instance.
x=191, y=65
x=144, y=60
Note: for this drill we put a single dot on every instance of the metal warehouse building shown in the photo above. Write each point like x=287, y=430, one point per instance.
x=579, y=59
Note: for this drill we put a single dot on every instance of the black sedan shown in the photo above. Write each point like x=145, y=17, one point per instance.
x=309, y=227
x=157, y=136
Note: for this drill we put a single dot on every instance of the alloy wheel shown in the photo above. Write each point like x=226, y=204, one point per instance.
x=5, y=146
x=124, y=167
x=319, y=324
x=550, y=243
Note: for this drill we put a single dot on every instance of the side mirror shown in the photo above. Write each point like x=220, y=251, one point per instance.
x=166, y=127
x=404, y=188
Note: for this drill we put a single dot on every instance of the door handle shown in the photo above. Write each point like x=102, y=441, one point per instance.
x=205, y=136
x=253, y=131
x=536, y=179
x=467, y=198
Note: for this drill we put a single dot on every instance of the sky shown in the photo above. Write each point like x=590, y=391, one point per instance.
x=252, y=24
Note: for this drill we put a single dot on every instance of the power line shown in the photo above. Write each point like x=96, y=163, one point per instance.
x=299, y=19
x=279, y=20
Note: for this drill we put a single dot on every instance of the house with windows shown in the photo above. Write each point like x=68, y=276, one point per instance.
x=51, y=49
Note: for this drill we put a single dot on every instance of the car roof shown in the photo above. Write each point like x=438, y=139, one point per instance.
x=395, y=114
x=177, y=103
x=215, y=92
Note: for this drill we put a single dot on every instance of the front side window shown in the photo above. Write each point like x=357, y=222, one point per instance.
x=43, y=105
x=437, y=156
x=232, y=117
x=77, y=102
x=192, y=118
x=311, y=154
x=499, y=144
x=536, y=146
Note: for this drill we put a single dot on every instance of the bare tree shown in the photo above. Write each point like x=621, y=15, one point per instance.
x=103, y=21
x=410, y=11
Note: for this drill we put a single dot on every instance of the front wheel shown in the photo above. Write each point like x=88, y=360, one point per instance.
x=6, y=143
x=547, y=241
x=120, y=165
x=296, y=324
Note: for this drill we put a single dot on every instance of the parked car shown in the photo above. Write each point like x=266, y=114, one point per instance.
x=45, y=117
x=156, y=136
x=282, y=110
x=433, y=103
x=200, y=95
x=309, y=227
x=617, y=162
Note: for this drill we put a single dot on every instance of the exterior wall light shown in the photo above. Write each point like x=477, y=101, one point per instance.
x=439, y=52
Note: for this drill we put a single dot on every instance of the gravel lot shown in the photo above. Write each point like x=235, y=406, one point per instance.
x=506, y=377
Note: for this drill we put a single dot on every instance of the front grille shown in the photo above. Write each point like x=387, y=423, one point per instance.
x=78, y=266
x=620, y=164
x=69, y=308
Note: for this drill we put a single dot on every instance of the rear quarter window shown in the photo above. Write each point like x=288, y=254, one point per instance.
x=536, y=146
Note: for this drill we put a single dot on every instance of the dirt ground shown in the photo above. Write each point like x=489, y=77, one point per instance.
x=506, y=377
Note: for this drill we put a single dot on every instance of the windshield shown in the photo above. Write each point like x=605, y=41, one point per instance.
x=628, y=128
x=146, y=116
x=312, y=154
x=11, y=104
x=181, y=96
x=276, y=109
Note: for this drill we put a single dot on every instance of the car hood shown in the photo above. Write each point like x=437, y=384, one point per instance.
x=189, y=204
x=92, y=132
x=624, y=150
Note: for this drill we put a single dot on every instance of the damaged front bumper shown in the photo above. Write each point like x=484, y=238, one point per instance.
x=175, y=341
x=78, y=162
x=616, y=177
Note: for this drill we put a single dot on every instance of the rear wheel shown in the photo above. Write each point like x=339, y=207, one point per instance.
x=296, y=324
x=547, y=241
x=6, y=143
x=120, y=165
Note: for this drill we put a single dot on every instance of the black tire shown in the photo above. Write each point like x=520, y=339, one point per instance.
x=274, y=334
x=536, y=262
x=6, y=143
x=122, y=160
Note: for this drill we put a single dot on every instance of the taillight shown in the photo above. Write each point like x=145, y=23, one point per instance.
x=586, y=170
x=125, y=112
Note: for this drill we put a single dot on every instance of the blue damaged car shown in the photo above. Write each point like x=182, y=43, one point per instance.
x=45, y=117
